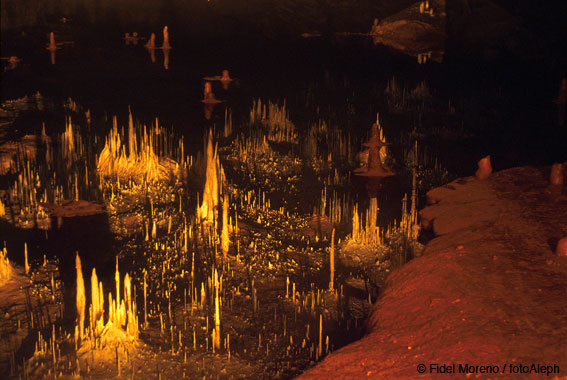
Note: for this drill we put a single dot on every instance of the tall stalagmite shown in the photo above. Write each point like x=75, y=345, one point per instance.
x=81, y=299
x=224, y=234
x=208, y=208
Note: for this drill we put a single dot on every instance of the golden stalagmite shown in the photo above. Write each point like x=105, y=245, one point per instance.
x=331, y=262
x=166, y=44
x=26, y=265
x=217, y=311
x=207, y=210
x=139, y=160
x=80, y=299
x=367, y=232
x=127, y=293
x=97, y=302
x=117, y=280
x=5, y=267
x=224, y=234
x=151, y=44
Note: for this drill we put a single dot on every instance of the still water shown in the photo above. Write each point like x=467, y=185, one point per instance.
x=456, y=112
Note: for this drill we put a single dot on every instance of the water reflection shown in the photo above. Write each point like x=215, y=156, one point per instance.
x=152, y=52
x=418, y=30
x=12, y=61
x=373, y=186
x=131, y=39
x=52, y=47
x=224, y=79
x=209, y=100
x=375, y=145
x=166, y=59
x=208, y=110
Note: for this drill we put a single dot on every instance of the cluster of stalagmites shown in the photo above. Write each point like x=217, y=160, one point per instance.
x=121, y=325
x=138, y=161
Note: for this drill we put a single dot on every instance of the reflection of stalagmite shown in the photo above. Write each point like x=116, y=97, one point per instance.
x=374, y=167
x=151, y=46
x=166, y=59
x=152, y=55
x=225, y=79
x=52, y=47
x=225, y=76
x=208, y=92
x=208, y=110
x=81, y=299
x=208, y=208
x=209, y=100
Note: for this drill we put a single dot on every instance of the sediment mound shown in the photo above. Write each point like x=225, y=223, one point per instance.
x=488, y=290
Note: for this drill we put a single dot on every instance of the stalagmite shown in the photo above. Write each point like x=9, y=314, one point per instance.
x=320, y=345
x=5, y=266
x=224, y=234
x=332, y=261
x=81, y=299
x=217, y=311
x=207, y=210
x=117, y=279
x=166, y=44
x=96, y=300
x=145, y=301
x=484, y=168
x=27, y=267
x=151, y=44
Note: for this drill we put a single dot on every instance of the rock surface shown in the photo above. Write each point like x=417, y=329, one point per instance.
x=70, y=208
x=415, y=30
x=488, y=290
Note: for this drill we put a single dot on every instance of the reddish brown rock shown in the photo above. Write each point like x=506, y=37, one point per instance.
x=492, y=292
x=70, y=208
x=557, y=175
x=414, y=31
x=561, y=249
x=484, y=168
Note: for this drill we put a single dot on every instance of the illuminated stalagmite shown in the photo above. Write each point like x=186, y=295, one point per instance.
x=224, y=234
x=207, y=210
x=484, y=168
x=166, y=44
x=81, y=299
x=151, y=44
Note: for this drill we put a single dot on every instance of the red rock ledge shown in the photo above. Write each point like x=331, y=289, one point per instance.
x=488, y=291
